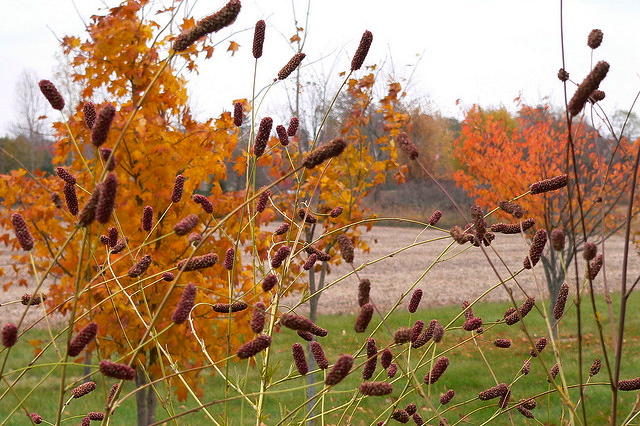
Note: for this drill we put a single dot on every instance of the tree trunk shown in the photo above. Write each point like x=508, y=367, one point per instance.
x=145, y=399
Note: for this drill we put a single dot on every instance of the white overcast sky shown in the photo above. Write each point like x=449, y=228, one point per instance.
x=479, y=51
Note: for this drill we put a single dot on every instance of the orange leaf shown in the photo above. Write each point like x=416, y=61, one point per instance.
x=295, y=38
x=233, y=47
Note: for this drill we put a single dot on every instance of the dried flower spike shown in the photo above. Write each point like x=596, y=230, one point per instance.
x=561, y=301
x=392, y=370
x=185, y=225
x=586, y=88
x=237, y=113
x=594, y=267
x=597, y=96
x=258, y=317
x=472, y=324
x=291, y=66
x=372, y=359
x=29, y=300
x=513, y=317
x=493, y=392
x=263, y=199
x=363, y=49
x=364, y=318
x=541, y=343
x=50, y=92
x=282, y=229
x=206, y=204
x=549, y=184
x=595, y=367
x=557, y=239
x=535, y=251
x=282, y=135
x=307, y=216
x=258, y=39
x=185, y=304
x=416, y=330
x=89, y=111
x=318, y=355
x=336, y=211
x=57, y=201
x=9, y=335
x=22, y=232
x=589, y=251
x=82, y=339
x=225, y=308
x=71, y=198
x=402, y=335
x=168, y=276
x=101, y=127
x=299, y=359
x=385, y=358
x=65, y=175
x=88, y=213
x=83, y=389
x=407, y=146
x=311, y=260
x=296, y=322
x=305, y=335
x=35, y=418
x=108, y=158
x=95, y=416
x=122, y=243
x=140, y=267
x=400, y=416
x=212, y=23
x=447, y=397
x=117, y=371
x=178, y=188
x=262, y=137
x=376, y=388
x=502, y=343
x=254, y=346
x=526, y=367
x=324, y=153
x=346, y=247
x=527, y=413
x=280, y=256
x=435, y=218
x=364, y=288
x=514, y=209
x=293, y=126
x=563, y=75
x=553, y=373
x=107, y=199
x=269, y=282
x=629, y=385
x=340, y=370
x=594, y=40
x=437, y=371
x=147, y=218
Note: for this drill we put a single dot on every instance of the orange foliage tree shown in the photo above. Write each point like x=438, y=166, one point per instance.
x=501, y=155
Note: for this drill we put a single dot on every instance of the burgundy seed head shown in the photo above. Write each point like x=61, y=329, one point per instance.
x=553, y=372
x=254, y=346
x=296, y=322
x=417, y=419
x=95, y=416
x=9, y=335
x=258, y=38
x=557, y=239
x=512, y=317
x=102, y=125
x=65, y=175
x=89, y=110
x=207, y=206
x=372, y=359
x=228, y=259
x=421, y=340
x=411, y=408
x=109, y=160
x=629, y=385
x=435, y=218
x=513, y=208
x=318, y=331
x=299, y=359
x=415, y=300
x=88, y=213
x=168, y=276
x=504, y=400
x=595, y=39
x=305, y=335
x=589, y=251
x=438, y=331
x=392, y=370
x=502, y=343
x=237, y=114
x=262, y=137
x=36, y=299
x=401, y=416
x=402, y=335
x=50, y=92
x=186, y=225
x=588, y=85
x=541, y=343
x=468, y=311
x=263, y=200
x=112, y=392
x=458, y=235
x=104, y=239
x=526, y=367
x=324, y=153
x=385, y=358
x=258, y=317
x=595, y=367
x=306, y=215
x=107, y=199
x=82, y=339
x=141, y=267
x=293, y=126
x=86, y=421
x=22, y=232
x=291, y=66
x=597, y=96
x=280, y=256
x=563, y=75
x=594, y=266
x=527, y=413
x=561, y=301
x=346, y=247
x=529, y=404
x=147, y=218
x=340, y=370
x=549, y=184
x=117, y=371
x=282, y=229
x=57, y=201
x=282, y=135
x=406, y=145
x=535, y=251
x=416, y=330
x=318, y=355
x=363, y=49
x=178, y=189
x=121, y=245
x=35, y=418
x=447, y=397
x=212, y=23
x=376, y=388
x=364, y=288
x=472, y=324
x=269, y=282
x=71, y=198
x=364, y=318
x=336, y=211
x=493, y=392
x=437, y=371
x=188, y=298
x=83, y=389
x=224, y=308
x=112, y=236
x=311, y=260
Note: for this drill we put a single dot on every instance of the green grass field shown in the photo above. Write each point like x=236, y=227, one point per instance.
x=473, y=366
